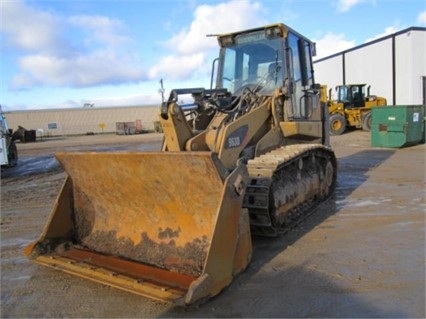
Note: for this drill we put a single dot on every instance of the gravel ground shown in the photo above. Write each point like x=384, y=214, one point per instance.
x=361, y=254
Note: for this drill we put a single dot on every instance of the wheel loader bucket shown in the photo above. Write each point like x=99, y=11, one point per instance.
x=166, y=225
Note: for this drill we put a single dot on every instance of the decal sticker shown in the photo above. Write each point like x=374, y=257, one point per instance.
x=415, y=117
x=237, y=137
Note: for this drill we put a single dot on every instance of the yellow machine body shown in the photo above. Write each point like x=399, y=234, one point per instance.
x=250, y=156
x=352, y=108
x=147, y=223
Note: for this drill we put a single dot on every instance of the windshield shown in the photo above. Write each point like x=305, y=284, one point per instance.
x=355, y=93
x=258, y=63
x=3, y=125
x=343, y=94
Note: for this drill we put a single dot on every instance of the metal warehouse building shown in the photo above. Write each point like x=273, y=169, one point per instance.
x=394, y=66
x=58, y=122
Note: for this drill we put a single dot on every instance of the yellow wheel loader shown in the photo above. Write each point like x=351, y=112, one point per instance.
x=249, y=156
x=352, y=107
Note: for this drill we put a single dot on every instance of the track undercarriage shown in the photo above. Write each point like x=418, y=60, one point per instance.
x=286, y=184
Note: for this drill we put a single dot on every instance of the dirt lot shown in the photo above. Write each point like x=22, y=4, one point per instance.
x=361, y=254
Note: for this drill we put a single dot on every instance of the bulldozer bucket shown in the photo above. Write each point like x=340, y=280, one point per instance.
x=166, y=225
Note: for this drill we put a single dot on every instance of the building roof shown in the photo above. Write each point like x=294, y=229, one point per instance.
x=372, y=42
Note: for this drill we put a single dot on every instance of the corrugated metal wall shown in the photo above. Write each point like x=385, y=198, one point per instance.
x=394, y=66
x=81, y=121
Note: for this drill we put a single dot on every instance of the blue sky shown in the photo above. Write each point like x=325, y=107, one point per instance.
x=62, y=53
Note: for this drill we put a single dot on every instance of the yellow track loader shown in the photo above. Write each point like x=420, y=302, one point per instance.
x=247, y=156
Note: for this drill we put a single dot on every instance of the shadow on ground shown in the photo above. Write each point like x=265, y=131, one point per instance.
x=289, y=293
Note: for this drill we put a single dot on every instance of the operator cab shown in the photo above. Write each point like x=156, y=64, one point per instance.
x=351, y=95
x=268, y=59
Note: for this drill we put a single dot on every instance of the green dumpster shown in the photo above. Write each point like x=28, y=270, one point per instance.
x=397, y=125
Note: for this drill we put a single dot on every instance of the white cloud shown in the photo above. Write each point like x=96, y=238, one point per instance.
x=388, y=31
x=125, y=100
x=65, y=105
x=178, y=67
x=27, y=29
x=101, y=29
x=421, y=18
x=346, y=5
x=49, y=56
x=214, y=19
x=332, y=43
x=194, y=49
x=98, y=67
x=88, y=51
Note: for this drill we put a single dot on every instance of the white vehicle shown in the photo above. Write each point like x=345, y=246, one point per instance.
x=8, y=150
